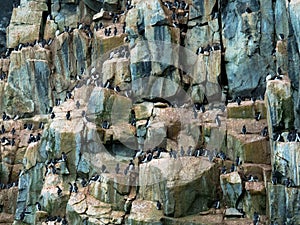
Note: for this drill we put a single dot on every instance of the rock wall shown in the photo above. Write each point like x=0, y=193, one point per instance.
x=6, y=11
x=95, y=82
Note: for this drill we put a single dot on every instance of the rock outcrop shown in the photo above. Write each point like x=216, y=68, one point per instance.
x=150, y=112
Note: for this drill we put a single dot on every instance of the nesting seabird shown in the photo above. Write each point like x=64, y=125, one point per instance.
x=244, y=130
x=68, y=115
x=158, y=205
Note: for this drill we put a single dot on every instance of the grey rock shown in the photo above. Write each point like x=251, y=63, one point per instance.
x=232, y=212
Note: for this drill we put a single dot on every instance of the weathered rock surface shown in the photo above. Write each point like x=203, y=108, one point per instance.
x=6, y=11
x=172, y=180
x=143, y=81
x=231, y=185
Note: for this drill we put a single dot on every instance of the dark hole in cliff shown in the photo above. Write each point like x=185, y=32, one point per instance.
x=43, y=24
x=222, y=79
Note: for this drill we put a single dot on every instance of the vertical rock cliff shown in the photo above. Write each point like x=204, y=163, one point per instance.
x=150, y=112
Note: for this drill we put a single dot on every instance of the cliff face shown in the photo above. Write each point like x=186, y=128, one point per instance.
x=6, y=8
x=139, y=82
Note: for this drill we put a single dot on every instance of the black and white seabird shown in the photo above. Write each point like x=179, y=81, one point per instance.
x=158, y=205
x=264, y=132
x=64, y=221
x=5, y=141
x=281, y=36
x=117, y=89
x=16, y=117
x=75, y=188
x=59, y=191
x=22, y=216
x=237, y=161
x=217, y=204
x=31, y=139
x=126, y=170
x=70, y=188
x=95, y=177
x=244, y=130
x=252, y=178
x=278, y=137
x=2, y=129
x=189, y=151
x=38, y=206
x=68, y=95
x=239, y=100
x=138, y=153
x=248, y=10
x=256, y=218
x=157, y=154
x=52, y=115
x=5, y=116
x=77, y=104
x=291, y=137
x=218, y=121
x=63, y=157
x=199, y=51
x=182, y=151
x=49, y=110
x=257, y=116
x=85, y=221
x=84, y=182
x=105, y=124
x=12, y=143
x=41, y=125
x=68, y=115
x=198, y=152
x=216, y=47
x=57, y=32
x=223, y=170
x=117, y=168
x=274, y=179
x=103, y=169
x=29, y=126
x=289, y=182
x=131, y=165
x=297, y=139
x=58, y=219
x=195, y=112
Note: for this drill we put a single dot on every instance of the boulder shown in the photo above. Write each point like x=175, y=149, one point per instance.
x=143, y=110
x=104, y=104
x=242, y=41
x=144, y=213
x=284, y=206
x=26, y=96
x=244, y=146
x=246, y=110
x=231, y=185
x=161, y=180
x=50, y=29
x=156, y=135
x=112, y=189
x=117, y=69
x=292, y=54
x=279, y=97
x=255, y=199
x=6, y=11
x=285, y=156
x=233, y=212
x=22, y=34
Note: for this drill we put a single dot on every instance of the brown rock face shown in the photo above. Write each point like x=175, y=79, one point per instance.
x=172, y=180
x=110, y=80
